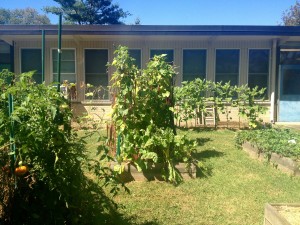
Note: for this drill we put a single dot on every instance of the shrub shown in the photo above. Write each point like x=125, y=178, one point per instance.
x=272, y=140
x=38, y=136
x=143, y=114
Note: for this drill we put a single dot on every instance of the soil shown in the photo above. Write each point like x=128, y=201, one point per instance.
x=290, y=213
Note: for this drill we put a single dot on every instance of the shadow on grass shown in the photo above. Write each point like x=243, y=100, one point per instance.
x=131, y=221
x=202, y=141
x=196, y=129
x=208, y=153
x=206, y=170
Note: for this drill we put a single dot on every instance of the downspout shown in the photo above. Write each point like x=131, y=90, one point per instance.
x=273, y=82
x=43, y=56
x=12, y=57
x=276, y=96
x=59, y=52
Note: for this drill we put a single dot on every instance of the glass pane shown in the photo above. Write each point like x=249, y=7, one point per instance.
x=97, y=79
x=31, y=60
x=227, y=60
x=259, y=61
x=233, y=78
x=66, y=54
x=96, y=67
x=290, y=57
x=4, y=58
x=65, y=67
x=68, y=67
x=54, y=54
x=260, y=80
x=291, y=82
x=71, y=78
x=4, y=48
x=136, y=54
x=169, y=52
x=194, y=64
x=96, y=60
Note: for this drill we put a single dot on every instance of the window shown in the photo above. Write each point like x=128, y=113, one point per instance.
x=258, y=71
x=194, y=64
x=289, y=56
x=31, y=60
x=291, y=80
x=227, y=65
x=68, y=71
x=5, y=56
x=96, y=72
x=169, y=52
x=136, y=54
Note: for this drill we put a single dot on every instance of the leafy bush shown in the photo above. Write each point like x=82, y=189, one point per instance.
x=281, y=141
x=143, y=114
x=195, y=96
x=55, y=189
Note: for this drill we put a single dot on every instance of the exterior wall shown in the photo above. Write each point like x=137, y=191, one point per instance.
x=145, y=44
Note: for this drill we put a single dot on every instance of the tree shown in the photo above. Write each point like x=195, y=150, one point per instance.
x=22, y=16
x=89, y=11
x=291, y=16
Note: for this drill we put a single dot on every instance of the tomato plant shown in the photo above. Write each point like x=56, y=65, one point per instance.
x=50, y=186
x=144, y=114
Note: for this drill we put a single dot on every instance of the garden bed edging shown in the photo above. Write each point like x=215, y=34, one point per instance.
x=131, y=173
x=285, y=164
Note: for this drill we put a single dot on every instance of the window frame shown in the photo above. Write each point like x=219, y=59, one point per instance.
x=206, y=64
x=84, y=72
x=239, y=64
x=269, y=68
x=162, y=49
x=20, y=56
x=75, y=63
x=141, y=55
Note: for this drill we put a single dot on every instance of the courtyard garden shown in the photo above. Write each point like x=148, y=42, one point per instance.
x=53, y=174
x=232, y=189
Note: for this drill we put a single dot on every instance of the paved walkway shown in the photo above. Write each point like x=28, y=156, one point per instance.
x=294, y=126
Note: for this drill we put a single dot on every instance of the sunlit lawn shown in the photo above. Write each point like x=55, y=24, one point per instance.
x=234, y=192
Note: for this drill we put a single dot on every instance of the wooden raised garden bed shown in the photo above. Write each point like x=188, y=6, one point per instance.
x=131, y=173
x=282, y=214
x=283, y=163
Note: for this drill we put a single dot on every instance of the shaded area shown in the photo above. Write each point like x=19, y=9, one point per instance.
x=202, y=141
x=208, y=153
x=206, y=170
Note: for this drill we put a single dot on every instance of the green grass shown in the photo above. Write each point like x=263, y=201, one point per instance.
x=234, y=191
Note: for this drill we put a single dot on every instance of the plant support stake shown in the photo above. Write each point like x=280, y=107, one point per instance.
x=12, y=144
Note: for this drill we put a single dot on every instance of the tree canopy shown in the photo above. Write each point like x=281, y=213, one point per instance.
x=89, y=11
x=22, y=16
x=291, y=16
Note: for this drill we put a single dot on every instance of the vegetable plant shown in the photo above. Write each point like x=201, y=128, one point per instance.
x=272, y=140
x=143, y=114
x=46, y=184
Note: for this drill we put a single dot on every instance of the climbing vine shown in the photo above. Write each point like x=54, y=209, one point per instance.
x=143, y=114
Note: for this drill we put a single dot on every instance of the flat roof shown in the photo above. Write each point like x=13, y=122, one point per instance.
x=151, y=30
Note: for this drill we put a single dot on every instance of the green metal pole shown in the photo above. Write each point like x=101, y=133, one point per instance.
x=12, y=144
x=59, y=52
x=119, y=145
x=43, y=56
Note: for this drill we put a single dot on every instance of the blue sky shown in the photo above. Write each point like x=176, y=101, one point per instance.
x=187, y=12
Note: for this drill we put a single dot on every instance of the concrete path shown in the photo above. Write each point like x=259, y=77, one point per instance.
x=290, y=125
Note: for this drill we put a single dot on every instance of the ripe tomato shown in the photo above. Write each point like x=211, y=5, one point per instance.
x=21, y=170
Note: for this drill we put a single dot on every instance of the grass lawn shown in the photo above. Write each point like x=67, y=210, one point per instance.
x=234, y=192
